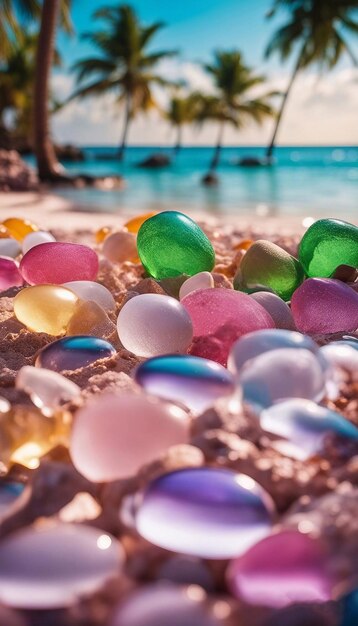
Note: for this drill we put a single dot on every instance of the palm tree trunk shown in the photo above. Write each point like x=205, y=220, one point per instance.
x=47, y=163
x=271, y=145
x=217, y=152
x=127, y=120
x=177, y=146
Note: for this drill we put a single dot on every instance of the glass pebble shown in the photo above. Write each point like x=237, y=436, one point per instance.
x=305, y=426
x=4, y=232
x=91, y=320
x=10, y=491
x=194, y=382
x=151, y=324
x=58, y=262
x=279, y=374
x=49, y=567
x=9, y=247
x=220, y=316
x=206, y=512
x=286, y=568
x=19, y=228
x=350, y=609
x=45, y=308
x=171, y=244
x=116, y=435
x=71, y=353
x=120, y=247
x=326, y=245
x=102, y=233
x=203, y=280
x=9, y=274
x=90, y=290
x=253, y=344
x=341, y=354
x=277, y=308
x=323, y=305
x=266, y=266
x=134, y=224
x=34, y=239
x=47, y=389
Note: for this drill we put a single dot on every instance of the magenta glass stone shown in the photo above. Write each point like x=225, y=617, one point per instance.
x=58, y=262
x=205, y=512
x=325, y=305
x=70, y=353
x=9, y=274
x=285, y=568
x=220, y=316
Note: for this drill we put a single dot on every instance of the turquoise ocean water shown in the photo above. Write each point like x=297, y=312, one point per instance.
x=317, y=181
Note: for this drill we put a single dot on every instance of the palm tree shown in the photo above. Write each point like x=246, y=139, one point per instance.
x=11, y=11
x=317, y=29
x=182, y=110
x=232, y=104
x=123, y=65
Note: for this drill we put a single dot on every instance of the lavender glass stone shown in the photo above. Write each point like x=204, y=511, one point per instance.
x=58, y=262
x=340, y=354
x=276, y=307
x=9, y=274
x=280, y=374
x=9, y=493
x=192, y=381
x=304, y=427
x=283, y=569
x=70, y=353
x=206, y=512
x=323, y=305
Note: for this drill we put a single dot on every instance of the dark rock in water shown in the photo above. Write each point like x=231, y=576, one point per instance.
x=210, y=179
x=254, y=161
x=15, y=174
x=156, y=160
x=69, y=152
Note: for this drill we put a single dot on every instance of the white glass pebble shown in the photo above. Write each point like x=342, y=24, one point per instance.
x=35, y=238
x=9, y=247
x=90, y=290
x=47, y=389
x=202, y=280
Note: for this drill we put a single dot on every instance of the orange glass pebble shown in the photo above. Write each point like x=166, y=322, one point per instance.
x=4, y=232
x=19, y=228
x=45, y=308
x=102, y=233
x=120, y=246
x=244, y=244
x=135, y=223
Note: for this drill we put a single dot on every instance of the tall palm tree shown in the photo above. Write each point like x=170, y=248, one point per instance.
x=316, y=31
x=232, y=103
x=11, y=11
x=182, y=110
x=124, y=65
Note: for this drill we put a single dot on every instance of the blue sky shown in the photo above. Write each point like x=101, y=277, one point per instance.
x=322, y=108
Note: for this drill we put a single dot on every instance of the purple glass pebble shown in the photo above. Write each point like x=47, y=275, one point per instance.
x=324, y=305
x=283, y=569
x=276, y=307
x=206, y=512
x=9, y=274
x=70, y=353
x=58, y=262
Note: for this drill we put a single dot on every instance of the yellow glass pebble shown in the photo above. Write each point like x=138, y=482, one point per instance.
x=102, y=233
x=4, y=232
x=90, y=319
x=45, y=308
x=135, y=223
x=19, y=228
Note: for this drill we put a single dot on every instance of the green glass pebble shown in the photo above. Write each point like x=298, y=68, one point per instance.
x=326, y=245
x=170, y=244
x=267, y=267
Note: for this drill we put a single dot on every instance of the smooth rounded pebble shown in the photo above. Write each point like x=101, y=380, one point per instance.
x=45, y=308
x=35, y=238
x=119, y=247
x=277, y=308
x=151, y=324
x=341, y=354
x=90, y=290
x=46, y=388
x=133, y=225
x=90, y=319
x=114, y=436
x=9, y=247
x=326, y=245
x=19, y=228
x=203, y=280
x=58, y=262
x=71, y=353
x=9, y=274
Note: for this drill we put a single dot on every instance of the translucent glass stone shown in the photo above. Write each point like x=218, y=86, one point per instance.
x=286, y=568
x=71, y=353
x=45, y=308
x=171, y=244
x=47, y=389
x=58, y=262
x=49, y=567
x=10, y=491
x=280, y=374
x=192, y=381
x=151, y=324
x=220, y=316
x=304, y=426
x=326, y=245
x=277, y=308
x=90, y=290
x=9, y=274
x=134, y=224
x=90, y=319
x=114, y=436
x=203, y=280
x=267, y=266
x=102, y=233
x=253, y=344
x=323, y=305
x=34, y=239
x=19, y=227
x=205, y=512
x=120, y=246
x=9, y=247
x=341, y=354
x=163, y=604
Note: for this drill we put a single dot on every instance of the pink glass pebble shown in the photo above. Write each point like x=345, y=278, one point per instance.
x=9, y=274
x=58, y=262
x=283, y=569
x=324, y=305
x=220, y=316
